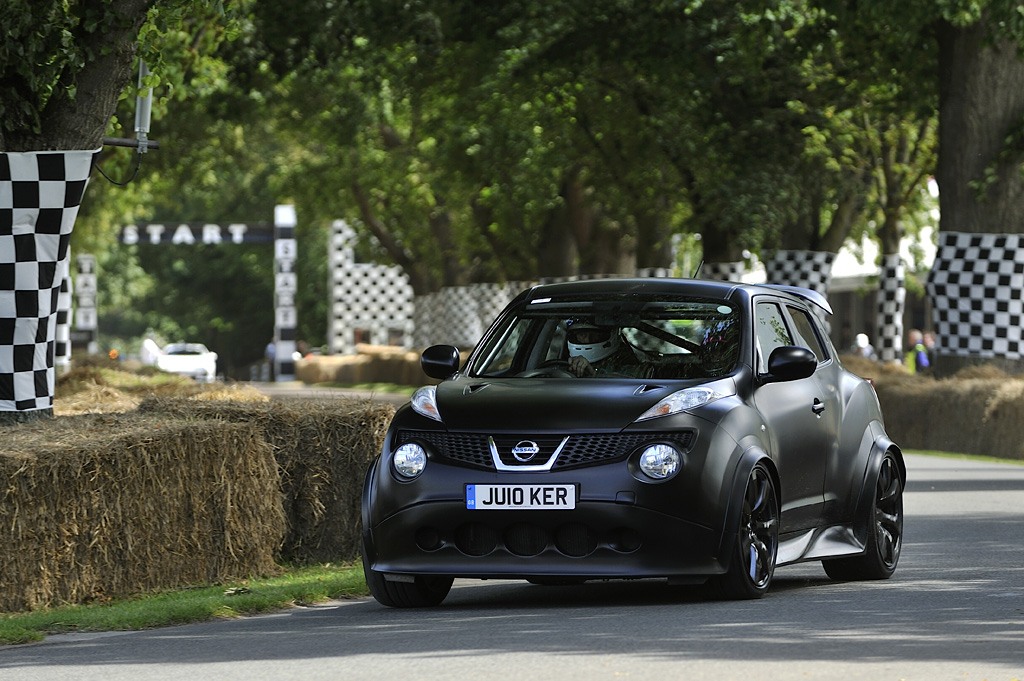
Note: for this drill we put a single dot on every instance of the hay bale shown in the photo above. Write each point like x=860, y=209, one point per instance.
x=1002, y=432
x=96, y=506
x=94, y=398
x=323, y=447
x=968, y=415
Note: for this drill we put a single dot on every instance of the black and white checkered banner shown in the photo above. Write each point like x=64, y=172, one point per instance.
x=807, y=269
x=40, y=193
x=723, y=271
x=62, y=334
x=976, y=286
x=285, y=287
x=892, y=301
x=86, y=326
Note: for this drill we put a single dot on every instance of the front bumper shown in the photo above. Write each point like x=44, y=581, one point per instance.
x=602, y=540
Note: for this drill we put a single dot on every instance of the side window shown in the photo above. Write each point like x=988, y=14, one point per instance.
x=770, y=327
x=502, y=352
x=806, y=332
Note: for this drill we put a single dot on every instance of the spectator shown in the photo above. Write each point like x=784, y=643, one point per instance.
x=917, y=356
x=270, y=354
x=862, y=347
x=929, y=344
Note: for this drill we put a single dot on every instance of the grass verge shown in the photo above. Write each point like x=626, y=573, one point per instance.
x=296, y=586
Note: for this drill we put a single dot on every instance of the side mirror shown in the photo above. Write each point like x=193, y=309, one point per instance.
x=789, y=363
x=440, y=361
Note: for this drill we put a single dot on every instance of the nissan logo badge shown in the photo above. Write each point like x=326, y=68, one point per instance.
x=525, y=450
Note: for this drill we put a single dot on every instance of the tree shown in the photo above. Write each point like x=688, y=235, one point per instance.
x=967, y=54
x=64, y=65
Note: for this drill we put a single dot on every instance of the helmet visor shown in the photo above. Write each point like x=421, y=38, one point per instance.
x=587, y=335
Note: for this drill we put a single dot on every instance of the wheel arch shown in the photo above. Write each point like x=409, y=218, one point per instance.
x=366, y=508
x=750, y=457
x=881, y=446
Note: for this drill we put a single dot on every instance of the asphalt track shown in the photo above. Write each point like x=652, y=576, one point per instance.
x=953, y=611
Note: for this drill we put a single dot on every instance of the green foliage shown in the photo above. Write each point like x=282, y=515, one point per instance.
x=38, y=48
x=482, y=142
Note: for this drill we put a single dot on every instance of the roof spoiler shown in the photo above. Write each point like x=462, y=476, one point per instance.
x=807, y=294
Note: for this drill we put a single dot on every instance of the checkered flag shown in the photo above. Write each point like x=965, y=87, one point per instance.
x=40, y=193
x=723, y=271
x=807, y=269
x=892, y=301
x=976, y=286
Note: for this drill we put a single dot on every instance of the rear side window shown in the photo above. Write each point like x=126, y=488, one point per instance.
x=807, y=334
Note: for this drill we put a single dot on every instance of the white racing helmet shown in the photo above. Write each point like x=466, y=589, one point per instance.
x=591, y=342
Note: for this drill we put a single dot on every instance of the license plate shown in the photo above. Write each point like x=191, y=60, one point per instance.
x=520, y=497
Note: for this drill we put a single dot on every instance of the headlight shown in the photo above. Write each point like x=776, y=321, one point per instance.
x=409, y=460
x=660, y=462
x=690, y=398
x=424, y=402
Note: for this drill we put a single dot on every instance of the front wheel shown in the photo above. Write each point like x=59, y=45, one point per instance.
x=421, y=591
x=885, y=531
x=752, y=563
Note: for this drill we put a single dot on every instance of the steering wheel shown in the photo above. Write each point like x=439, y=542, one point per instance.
x=555, y=368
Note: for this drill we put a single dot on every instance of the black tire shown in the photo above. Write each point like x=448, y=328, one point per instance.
x=885, y=531
x=423, y=591
x=752, y=563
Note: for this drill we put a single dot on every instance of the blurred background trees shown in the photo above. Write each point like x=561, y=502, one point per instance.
x=474, y=142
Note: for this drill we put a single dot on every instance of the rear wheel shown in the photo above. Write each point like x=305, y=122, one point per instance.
x=420, y=591
x=752, y=563
x=885, y=531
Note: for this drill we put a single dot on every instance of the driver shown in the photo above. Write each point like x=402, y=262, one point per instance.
x=599, y=351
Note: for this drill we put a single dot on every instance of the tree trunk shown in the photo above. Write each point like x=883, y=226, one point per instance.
x=80, y=121
x=981, y=103
x=975, y=284
x=654, y=240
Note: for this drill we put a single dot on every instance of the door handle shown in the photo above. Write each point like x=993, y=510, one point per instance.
x=818, y=407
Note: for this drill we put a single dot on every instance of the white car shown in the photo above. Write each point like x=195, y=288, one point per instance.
x=189, y=359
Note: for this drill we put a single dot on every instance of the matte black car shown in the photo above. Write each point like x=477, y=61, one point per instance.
x=636, y=428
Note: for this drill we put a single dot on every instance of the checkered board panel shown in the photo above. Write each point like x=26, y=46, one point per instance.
x=976, y=286
x=375, y=299
x=62, y=349
x=723, y=271
x=892, y=301
x=807, y=269
x=459, y=315
x=40, y=193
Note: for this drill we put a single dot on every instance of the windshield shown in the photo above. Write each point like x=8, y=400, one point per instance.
x=616, y=336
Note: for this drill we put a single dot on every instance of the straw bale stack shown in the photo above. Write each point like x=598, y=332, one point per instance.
x=323, y=447
x=968, y=415
x=101, y=505
x=370, y=364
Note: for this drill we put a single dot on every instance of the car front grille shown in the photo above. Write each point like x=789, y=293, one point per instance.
x=580, y=450
x=574, y=540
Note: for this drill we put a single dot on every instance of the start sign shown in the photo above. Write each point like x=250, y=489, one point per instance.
x=198, y=233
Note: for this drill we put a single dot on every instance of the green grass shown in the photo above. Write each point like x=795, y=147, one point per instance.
x=967, y=457
x=296, y=586
x=390, y=388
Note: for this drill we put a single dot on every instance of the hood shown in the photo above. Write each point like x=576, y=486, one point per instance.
x=551, y=405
